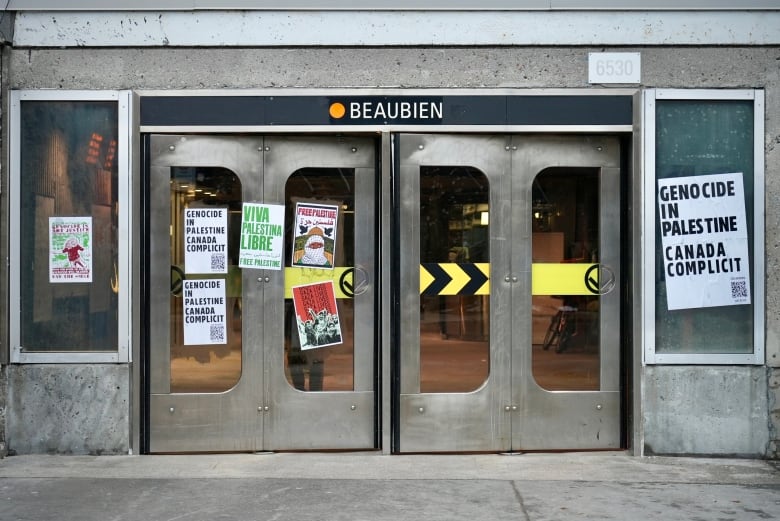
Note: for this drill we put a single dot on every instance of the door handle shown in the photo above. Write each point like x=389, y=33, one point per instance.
x=360, y=281
x=177, y=280
x=604, y=281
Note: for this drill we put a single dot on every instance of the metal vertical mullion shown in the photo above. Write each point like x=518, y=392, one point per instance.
x=409, y=263
x=609, y=256
x=364, y=302
x=384, y=272
x=159, y=296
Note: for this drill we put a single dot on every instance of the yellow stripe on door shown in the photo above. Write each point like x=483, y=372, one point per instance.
x=342, y=277
x=546, y=279
x=564, y=279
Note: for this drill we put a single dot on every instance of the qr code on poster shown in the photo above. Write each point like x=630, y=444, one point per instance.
x=217, y=262
x=217, y=333
x=739, y=289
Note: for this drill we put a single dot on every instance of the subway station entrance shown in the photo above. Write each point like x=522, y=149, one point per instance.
x=499, y=274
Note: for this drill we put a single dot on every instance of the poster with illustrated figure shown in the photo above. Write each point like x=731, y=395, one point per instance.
x=315, y=235
x=70, y=249
x=317, y=315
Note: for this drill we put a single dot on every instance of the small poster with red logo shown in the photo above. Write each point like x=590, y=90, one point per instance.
x=315, y=235
x=70, y=249
x=317, y=315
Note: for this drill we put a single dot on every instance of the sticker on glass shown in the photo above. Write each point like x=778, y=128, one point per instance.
x=205, y=240
x=262, y=236
x=316, y=314
x=204, y=312
x=315, y=235
x=704, y=241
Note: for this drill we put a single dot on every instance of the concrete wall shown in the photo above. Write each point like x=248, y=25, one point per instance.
x=518, y=67
x=712, y=410
x=5, y=35
x=68, y=409
x=3, y=401
x=706, y=410
x=773, y=448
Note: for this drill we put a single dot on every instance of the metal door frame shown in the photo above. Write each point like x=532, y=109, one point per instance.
x=493, y=417
x=187, y=419
x=262, y=412
x=295, y=419
x=594, y=415
x=473, y=424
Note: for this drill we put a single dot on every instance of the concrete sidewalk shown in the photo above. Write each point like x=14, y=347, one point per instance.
x=370, y=486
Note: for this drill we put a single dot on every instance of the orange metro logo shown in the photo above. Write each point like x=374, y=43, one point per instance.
x=337, y=110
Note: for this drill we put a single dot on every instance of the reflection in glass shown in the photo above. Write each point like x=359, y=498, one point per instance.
x=331, y=367
x=68, y=170
x=701, y=137
x=205, y=368
x=565, y=224
x=454, y=329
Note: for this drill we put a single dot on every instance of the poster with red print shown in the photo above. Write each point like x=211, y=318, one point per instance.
x=317, y=315
x=70, y=249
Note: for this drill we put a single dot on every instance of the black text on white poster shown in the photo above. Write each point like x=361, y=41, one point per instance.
x=704, y=241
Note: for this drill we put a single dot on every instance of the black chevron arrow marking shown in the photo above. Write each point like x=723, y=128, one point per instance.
x=478, y=279
x=440, y=278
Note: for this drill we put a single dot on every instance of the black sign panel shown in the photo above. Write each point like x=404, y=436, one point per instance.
x=377, y=111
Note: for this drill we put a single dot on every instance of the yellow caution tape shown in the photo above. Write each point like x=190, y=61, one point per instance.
x=342, y=277
x=564, y=279
x=473, y=279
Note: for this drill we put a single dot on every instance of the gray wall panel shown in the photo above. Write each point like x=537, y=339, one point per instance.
x=68, y=409
x=706, y=410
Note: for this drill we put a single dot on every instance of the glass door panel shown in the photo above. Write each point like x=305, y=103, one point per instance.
x=329, y=368
x=204, y=368
x=565, y=230
x=454, y=306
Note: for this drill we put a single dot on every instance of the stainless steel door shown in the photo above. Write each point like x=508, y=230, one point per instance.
x=505, y=239
x=454, y=348
x=334, y=407
x=249, y=386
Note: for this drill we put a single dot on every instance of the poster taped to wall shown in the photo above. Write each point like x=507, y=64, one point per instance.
x=315, y=235
x=704, y=241
x=205, y=240
x=70, y=249
x=317, y=315
x=204, y=312
x=262, y=236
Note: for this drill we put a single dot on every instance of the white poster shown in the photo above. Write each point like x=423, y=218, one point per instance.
x=204, y=312
x=262, y=236
x=704, y=241
x=70, y=249
x=205, y=240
